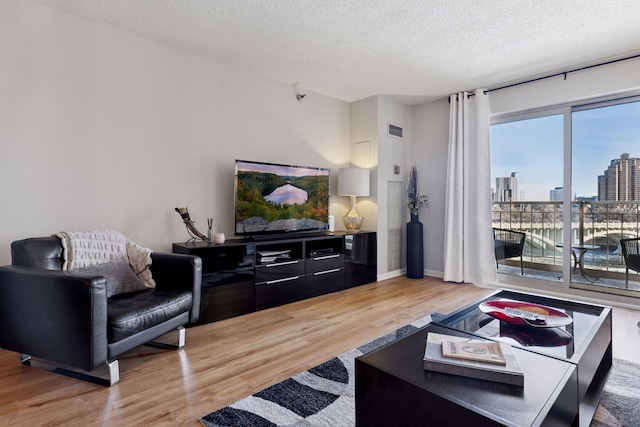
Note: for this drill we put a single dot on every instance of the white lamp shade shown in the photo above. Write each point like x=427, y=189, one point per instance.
x=353, y=182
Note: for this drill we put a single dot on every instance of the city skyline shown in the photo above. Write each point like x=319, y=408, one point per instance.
x=620, y=181
x=533, y=148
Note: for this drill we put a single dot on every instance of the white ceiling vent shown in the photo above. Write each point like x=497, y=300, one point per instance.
x=396, y=131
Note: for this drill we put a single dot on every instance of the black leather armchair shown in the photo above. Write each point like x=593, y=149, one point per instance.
x=508, y=244
x=63, y=320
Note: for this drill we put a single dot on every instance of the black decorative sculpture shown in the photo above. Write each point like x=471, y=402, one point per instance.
x=191, y=228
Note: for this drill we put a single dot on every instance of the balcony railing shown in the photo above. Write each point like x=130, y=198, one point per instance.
x=598, y=223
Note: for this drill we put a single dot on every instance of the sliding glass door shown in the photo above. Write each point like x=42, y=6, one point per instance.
x=606, y=177
x=526, y=173
x=569, y=178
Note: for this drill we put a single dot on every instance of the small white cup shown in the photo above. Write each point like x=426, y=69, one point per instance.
x=218, y=238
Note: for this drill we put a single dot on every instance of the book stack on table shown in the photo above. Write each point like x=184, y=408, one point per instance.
x=472, y=357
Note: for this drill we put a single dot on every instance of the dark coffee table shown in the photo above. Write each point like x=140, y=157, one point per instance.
x=563, y=383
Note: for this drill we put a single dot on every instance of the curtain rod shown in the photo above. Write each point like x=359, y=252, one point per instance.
x=562, y=73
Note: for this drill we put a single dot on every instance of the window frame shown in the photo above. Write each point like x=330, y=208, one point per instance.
x=565, y=109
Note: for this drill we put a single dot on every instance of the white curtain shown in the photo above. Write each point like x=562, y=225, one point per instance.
x=468, y=245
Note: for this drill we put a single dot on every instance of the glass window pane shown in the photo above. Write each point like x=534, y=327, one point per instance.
x=527, y=179
x=606, y=178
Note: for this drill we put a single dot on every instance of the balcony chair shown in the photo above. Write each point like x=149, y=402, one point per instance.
x=631, y=255
x=66, y=322
x=508, y=244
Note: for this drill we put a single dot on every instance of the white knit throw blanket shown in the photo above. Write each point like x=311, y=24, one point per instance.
x=87, y=248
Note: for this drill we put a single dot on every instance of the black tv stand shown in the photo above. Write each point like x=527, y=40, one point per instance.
x=238, y=279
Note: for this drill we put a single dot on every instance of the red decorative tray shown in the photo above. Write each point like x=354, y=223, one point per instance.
x=525, y=313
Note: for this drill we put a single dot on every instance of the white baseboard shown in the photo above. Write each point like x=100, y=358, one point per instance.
x=433, y=273
x=403, y=272
x=391, y=274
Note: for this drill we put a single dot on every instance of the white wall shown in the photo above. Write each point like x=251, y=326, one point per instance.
x=431, y=132
x=364, y=154
x=431, y=139
x=581, y=85
x=392, y=151
x=101, y=129
x=369, y=120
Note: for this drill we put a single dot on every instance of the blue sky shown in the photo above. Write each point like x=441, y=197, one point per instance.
x=533, y=149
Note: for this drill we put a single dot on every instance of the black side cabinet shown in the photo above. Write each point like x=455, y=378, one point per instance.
x=241, y=276
x=361, y=259
x=228, y=278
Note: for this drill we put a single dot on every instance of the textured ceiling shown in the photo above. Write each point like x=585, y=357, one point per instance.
x=416, y=50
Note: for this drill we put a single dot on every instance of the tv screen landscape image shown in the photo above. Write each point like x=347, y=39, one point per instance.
x=272, y=198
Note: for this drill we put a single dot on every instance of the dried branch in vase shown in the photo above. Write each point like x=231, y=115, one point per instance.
x=416, y=202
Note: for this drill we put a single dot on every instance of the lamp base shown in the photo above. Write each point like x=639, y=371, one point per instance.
x=352, y=220
x=352, y=223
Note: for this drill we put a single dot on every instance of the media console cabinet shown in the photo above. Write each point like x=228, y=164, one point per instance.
x=241, y=275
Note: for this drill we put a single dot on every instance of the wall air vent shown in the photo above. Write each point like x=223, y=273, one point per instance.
x=396, y=131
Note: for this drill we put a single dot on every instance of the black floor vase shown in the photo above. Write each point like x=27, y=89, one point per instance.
x=415, y=249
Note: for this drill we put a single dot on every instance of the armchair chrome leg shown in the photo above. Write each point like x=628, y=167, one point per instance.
x=182, y=339
x=106, y=375
x=172, y=340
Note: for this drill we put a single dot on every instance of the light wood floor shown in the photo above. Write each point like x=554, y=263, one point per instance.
x=225, y=361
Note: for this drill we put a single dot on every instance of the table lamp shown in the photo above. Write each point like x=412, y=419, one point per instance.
x=353, y=182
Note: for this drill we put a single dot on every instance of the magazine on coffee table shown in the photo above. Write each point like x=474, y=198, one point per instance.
x=435, y=360
x=489, y=352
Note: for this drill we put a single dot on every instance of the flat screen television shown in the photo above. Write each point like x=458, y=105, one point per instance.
x=272, y=198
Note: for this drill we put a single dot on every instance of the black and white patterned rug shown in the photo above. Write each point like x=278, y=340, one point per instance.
x=620, y=403
x=324, y=396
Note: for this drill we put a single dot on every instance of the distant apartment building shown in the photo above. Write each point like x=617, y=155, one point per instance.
x=621, y=180
x=556, y=195
x=506, y=189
